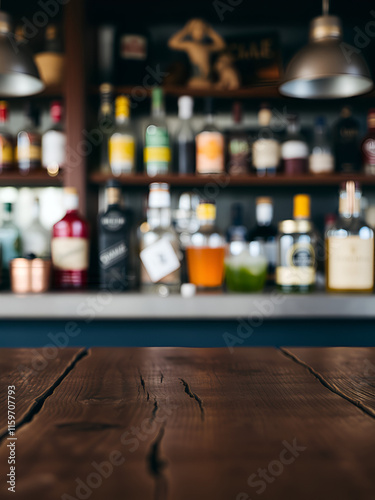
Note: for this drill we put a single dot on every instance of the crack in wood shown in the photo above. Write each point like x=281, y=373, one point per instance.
x=38, y=404
x=155, y=463
x=143, y=383
x=161, y=377
x=193, y=395
x=154, y=410
x=328, y=385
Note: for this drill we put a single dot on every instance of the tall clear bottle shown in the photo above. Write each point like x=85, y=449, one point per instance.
x=185, y=140
x=157, y=150
x=210, y=145
x=10, y=240
x=36, y=239
x=159, y=245
x=350, y=246
x=54, y=141
x=266, y=148
x=121, y=146
x=321, y=160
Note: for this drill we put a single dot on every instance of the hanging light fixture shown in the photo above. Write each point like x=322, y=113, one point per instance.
x=19, y=75
x=325, y=68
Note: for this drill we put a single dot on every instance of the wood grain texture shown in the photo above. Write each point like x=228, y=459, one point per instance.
x=194, y=424
x=33, y=372
x=347, y=371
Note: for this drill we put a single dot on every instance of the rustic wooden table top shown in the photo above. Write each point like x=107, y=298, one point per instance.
x=183, y=424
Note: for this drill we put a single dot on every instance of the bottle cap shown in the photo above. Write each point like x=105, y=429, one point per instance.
x=106, y=88
x=206, y=210
x=237, y=112
x=56, y=111
x=263, y=199
x=301, y=206
x=185, y=107
x=159, y=196
x=264, y=115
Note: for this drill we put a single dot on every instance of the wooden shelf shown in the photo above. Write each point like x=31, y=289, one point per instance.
x=99, y=178
x=34, y=178
x=260, y=91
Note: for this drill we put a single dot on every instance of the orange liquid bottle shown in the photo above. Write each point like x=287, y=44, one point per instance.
x=206, y=251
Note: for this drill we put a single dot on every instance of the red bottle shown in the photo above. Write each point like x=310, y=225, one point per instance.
x=70, y=245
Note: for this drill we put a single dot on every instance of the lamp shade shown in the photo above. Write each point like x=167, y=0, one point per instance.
x=19, y=75
x=326, y=68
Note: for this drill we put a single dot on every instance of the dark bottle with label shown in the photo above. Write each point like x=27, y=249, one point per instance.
x=237, y=231
x=346, y=143
x=238, y=144
x=132, y=47
x=114, y=241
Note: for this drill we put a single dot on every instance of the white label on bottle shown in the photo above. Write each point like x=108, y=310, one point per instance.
x=294, y=149
x=133, y=47
x=266, y=153
x=53, y=149
x=322, y=163
x=70, y=254
x=159, y=259
x=350, y=263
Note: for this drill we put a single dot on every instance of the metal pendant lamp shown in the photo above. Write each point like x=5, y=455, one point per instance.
x=326, y=68
x=19, y=75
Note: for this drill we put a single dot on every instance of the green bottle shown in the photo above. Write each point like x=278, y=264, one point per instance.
x=157, y=150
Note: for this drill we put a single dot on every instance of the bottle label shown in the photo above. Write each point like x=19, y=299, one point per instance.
x=210, y=153
x=239, y=152
x=26, y=152
x=121, y=151
x=350, y=263
x=6, y=151
x=113, y=254
x=133, y=47
x=113, y=222
x=321, y=163
x=160, y=260
x=300, y=266
x=266, y=154
x=53, y=148
x=157, y=153
x=70, y=254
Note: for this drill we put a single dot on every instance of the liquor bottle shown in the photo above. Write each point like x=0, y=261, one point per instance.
x=265, y=232
x=210, y=145
x=368, y=145
x=294, y=150
x=238, y=144
x=185, y=141
x=53, y=40
x=296, y=262
x=105, y=47
x=106, y=124
x=6, y=140
x=157, y=151
x=346, y=143
x=321, y=160
x=159, y=245
x=237, y=231
x=206, y=251
x=114, y=241
x=10, y=240
x=28, y=149
x=266, y=148
x=133, y=56
x=350, y=246
x=70, y=245
x=54, y=142
x=36, y=239
x=121, y=146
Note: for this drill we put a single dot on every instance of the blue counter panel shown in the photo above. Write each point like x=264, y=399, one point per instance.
x=187, y=333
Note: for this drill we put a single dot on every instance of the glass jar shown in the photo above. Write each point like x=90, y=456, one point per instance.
x=246, y=267
x=296, y=266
